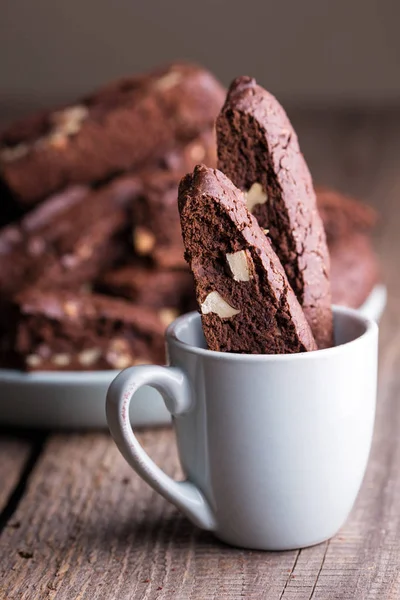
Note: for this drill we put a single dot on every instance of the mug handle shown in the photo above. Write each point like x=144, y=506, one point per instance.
x=174, y=387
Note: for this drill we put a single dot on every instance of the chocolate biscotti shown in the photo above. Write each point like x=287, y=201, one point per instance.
x=119, y=128
x=172, y=292
x=246, y=302
x=59, y=330
x=259, y=151
x=342, y=215
x=354, y=264
x=354, y=270
x=185, y=156
x=156, y=228
x=69, y=239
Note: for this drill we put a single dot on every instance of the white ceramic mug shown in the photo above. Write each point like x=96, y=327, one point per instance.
x=274, y=446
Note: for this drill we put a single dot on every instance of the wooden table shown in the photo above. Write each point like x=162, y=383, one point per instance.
x=77, y=523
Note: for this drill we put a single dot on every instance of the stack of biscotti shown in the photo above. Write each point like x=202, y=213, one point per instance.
x=253, y=236
x=91, y=255
x=354, y=265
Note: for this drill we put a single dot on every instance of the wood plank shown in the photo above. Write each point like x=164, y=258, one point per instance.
x=91, y=529
x=14, y=453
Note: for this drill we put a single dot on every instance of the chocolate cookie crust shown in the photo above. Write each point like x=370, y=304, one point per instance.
x=246, y=302
x=118, y=128
x=354, y=270
x=259, y=151
x=144, y=286
x=342, y=215
x=69, y=239
x=63, y=330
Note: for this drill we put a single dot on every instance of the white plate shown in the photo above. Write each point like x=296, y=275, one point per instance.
x=76, y=400
x=70, y=400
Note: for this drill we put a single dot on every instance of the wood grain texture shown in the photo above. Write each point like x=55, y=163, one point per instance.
x=90, y=529
x=14, y=453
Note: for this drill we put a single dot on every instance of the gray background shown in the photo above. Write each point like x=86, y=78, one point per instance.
x=308, y=52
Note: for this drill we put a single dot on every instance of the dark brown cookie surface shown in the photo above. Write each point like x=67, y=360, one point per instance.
x=165, y=290
x=258, y=150
x=155, y=217
x=60, y=330
x=69, y=239
x=246, y=302
x=354, y=270
x=342, y=215
x=120, y=127
x=185, y=156
x=156, y=231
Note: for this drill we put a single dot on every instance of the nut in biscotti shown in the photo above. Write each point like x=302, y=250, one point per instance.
x=168, y=81
x=143, y=241
x=240, y=265
x=33, y=361
x=61, y=360
x=214, y=303
x=254, y=196
x=89, y=357
x=68, y=121
x=13, y=153
x=119, y=353
x=245, y=299
x=63, y=124
x=168, y=315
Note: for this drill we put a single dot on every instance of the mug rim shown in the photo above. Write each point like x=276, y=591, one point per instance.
x=370, y=325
